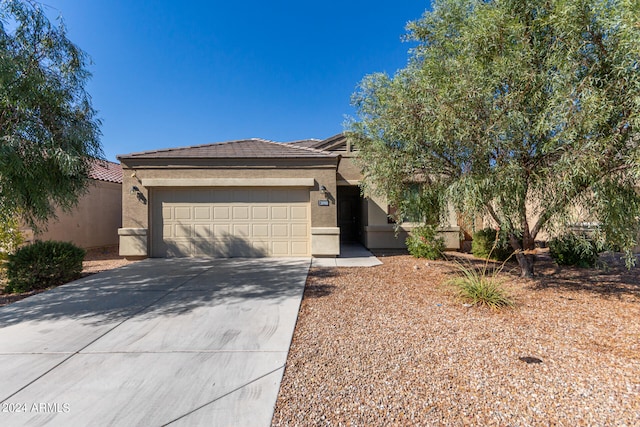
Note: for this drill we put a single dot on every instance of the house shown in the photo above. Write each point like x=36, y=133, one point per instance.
x=251, y=198
x=95, y=221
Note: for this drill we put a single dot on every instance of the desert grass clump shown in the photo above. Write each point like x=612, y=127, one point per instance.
x=480, y=287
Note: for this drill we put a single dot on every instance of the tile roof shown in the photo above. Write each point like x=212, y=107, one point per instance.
x=254, y=148
x=103, y=170
x=309, y=143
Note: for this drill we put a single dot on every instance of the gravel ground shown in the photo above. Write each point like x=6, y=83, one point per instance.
x=393, y=345
x=95, y=261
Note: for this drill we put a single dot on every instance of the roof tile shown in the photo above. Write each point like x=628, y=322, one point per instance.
x=103, y=170
x=242, y=149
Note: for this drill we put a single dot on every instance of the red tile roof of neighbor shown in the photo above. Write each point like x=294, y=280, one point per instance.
x=241, y=149
x=103, y=170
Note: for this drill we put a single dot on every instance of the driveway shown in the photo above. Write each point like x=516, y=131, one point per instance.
x=180, y=342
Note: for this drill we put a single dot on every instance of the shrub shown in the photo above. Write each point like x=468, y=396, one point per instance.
x=481, y=288
x=575, y=249
x=488, y=243
x=10, y=238
x=424, y=242
x=42, y=265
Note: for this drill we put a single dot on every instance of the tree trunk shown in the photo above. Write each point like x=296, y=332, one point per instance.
x=525, y=261
x=524, y=253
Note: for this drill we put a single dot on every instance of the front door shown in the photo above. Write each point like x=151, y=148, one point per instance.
x=349, y=213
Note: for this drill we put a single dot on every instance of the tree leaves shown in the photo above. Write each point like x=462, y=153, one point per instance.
x=520, y=111
x=49, y=133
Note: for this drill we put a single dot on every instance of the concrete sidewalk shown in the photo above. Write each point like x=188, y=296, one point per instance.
x=351, y=255
x=160, y=342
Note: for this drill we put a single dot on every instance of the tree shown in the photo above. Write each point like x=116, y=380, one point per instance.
x=49, y=133
x=525, y=112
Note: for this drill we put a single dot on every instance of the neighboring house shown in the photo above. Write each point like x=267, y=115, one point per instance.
x=95, y=221
x=252, y=198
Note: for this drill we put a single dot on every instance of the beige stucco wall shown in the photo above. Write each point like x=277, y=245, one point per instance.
x=379, y=234
x=136, y=205
x=348, y=171
x=94, y=222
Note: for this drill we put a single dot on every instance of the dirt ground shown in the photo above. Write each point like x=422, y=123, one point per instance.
x=394, y=345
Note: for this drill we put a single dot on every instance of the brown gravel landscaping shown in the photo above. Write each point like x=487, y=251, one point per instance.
x=393, y=345
x=95, y=261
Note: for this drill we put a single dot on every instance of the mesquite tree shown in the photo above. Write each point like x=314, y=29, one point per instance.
x=49, y=133
x=525, y=112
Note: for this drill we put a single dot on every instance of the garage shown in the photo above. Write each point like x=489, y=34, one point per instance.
x=230, y=222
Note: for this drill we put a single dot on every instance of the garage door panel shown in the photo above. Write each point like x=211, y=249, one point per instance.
x=280, y=230
x=201, y=247
x=167, y=212
x=299, y=212
x=221, y=212
x=299, y=230
x=259, y=213
x=259, y=230
x=182, y=212
x=202, y=230
x=299, y=248
x=202, y=212
x=241, y=230
x=178, y=249
x=240, y=212
x=182, y=230
x=280, y=248
x=221, y=230
x=249, y=222
x=279, y=213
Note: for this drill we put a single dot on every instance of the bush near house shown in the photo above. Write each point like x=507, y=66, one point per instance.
x=10, y=238
x=575, y=249
x=42, y=265
x=424, y=242
x=489, y=243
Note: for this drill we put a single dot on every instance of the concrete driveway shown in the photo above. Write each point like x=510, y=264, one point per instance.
x=181, y=342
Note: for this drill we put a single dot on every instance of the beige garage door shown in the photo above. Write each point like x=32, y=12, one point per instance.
x=239, y=222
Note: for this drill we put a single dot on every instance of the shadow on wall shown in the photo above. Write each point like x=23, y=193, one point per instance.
x=162, y=287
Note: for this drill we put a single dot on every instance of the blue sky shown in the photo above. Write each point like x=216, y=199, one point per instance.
x=170, y=73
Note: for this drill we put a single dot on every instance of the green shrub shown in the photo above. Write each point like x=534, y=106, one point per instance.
x=575, y=249
x=485, y=245
x=479, y=287
x=42, y=265
x=424, y=242
x=10, y=238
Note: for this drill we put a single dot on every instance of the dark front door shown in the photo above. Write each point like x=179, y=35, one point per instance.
x=349, y=213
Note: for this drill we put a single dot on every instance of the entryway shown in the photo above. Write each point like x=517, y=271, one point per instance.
x=350, y=205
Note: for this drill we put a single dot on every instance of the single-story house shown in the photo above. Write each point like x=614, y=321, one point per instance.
x=95, y=221
x=251, y=198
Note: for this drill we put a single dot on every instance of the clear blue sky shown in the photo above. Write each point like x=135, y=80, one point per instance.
x=175, y=73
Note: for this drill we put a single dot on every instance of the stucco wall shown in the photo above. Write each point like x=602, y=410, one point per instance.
x=378, y=233
x=348, y=172
x=94, y=222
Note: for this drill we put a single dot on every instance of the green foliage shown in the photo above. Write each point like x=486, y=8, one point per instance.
x=424, y=242
x=480, y=287
x=42, y=265
x=10, y=238
x=488, y=243
x=521, y=112
x=575, y=249
x=49, y=133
